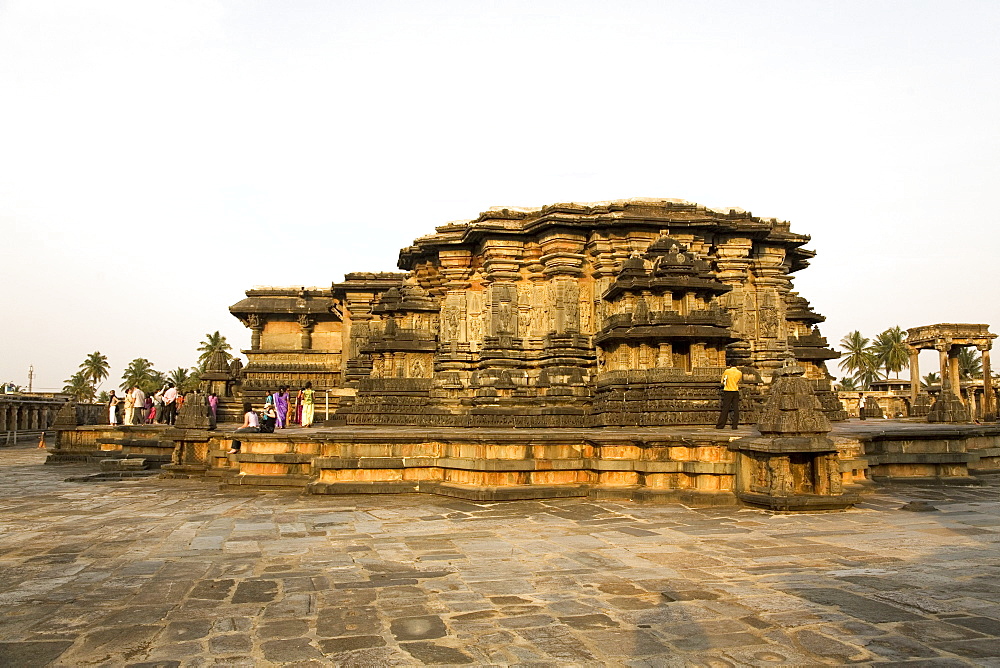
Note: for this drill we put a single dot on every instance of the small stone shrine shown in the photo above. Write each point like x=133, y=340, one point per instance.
x=619, y=313
x=793, y=464
x=224, y=378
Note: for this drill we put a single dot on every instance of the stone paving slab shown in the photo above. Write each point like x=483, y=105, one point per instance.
x=152, y=572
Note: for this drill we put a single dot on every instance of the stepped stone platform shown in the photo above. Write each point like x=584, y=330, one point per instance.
x=693, y=465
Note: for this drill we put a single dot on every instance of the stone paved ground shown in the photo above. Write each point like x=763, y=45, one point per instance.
x=176, y=572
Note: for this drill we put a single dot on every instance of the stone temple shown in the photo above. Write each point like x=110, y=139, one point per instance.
x=612, y=314
x=570, y=350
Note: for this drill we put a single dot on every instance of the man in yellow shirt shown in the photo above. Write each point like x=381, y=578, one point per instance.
x=731, y=378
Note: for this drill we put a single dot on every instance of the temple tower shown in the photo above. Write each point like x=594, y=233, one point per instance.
x=662, y=349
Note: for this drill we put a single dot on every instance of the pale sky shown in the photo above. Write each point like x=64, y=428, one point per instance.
x=157, y=159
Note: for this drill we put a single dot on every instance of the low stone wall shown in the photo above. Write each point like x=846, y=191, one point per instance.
x=686, y=465
x=691, y=468
x=939, y=451
x=98, y=442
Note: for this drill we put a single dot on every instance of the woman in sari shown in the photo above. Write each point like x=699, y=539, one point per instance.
x=298, y=407
x=308, y=404
x=281, y=405
x=129, y=408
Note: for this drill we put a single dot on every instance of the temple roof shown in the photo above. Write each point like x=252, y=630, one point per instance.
x=286, y=300
x=675, y=214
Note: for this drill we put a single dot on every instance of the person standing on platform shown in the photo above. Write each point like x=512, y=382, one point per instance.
x=170, y=404
x=213, y=410
x=298, y=407
x=861, y=405
x=127, y=417
x=731, y=378
x=308, y=404
x=157, y=414
x=281, y=406
x=138, y=405
x=113, y=408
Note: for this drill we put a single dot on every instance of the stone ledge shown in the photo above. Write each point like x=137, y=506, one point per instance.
x=919, y=458
x=798, y=502
x=286, y=480
x=529, y=492
x=272, y=458
x=529, y=464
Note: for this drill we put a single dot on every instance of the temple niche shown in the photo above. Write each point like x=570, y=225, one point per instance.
x=619, y=313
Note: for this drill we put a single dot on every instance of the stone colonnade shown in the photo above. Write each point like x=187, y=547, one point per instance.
x=948, y=339
x=27, y=413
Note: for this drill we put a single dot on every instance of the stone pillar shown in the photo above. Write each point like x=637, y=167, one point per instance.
x=953, y=374
x=942, y=349
x=665, y=358
x=914, y=375
x=307, y=324
x=256, y=326
x=989, y=398
x=3, y=417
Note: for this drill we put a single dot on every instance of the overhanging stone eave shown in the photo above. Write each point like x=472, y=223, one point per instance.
x=697, y=285
x=240, y=309
x=428, y=246
x=668, y=332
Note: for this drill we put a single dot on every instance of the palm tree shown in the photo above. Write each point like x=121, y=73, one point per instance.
x=847, y=384
x=891, y=351
x=213, y=343
x=178, y=377
x=95, y=368
x=867, y=376
x=184, y=379
x=931, y=379
x=79, y=387
x=970, y=364
x=140, y=372
x=860, y=360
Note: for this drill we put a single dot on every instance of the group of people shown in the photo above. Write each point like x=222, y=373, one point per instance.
x=136, y=407
x=278, y=413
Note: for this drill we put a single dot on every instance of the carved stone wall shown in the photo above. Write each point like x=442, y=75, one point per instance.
x=619, y=313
